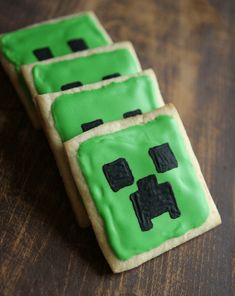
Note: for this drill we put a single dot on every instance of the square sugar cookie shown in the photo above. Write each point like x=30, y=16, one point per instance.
x=82, y=68
x=142, y=186
x=69, y=113
x=47, y=40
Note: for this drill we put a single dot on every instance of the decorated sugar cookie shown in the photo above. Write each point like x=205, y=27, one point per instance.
x=82, y=68
x=142, y=186
x=47, y=40
x=69, y=113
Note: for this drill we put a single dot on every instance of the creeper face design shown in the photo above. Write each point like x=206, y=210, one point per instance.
x=163, y=200
x=151, y=199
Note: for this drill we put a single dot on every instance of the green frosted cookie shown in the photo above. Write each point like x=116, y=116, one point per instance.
x=142, y=186
x=47, y=40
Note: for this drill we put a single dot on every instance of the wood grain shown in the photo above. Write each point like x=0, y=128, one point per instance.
x=190, y=45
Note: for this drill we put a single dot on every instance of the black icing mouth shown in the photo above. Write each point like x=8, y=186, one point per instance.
x=152, y=200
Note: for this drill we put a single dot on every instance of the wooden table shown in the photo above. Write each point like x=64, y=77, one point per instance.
x=191, y=46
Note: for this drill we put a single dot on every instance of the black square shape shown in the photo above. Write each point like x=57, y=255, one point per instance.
x=163, y=158
x=118, y=174
x=114, y=75
x=89, y=125
x=132, y=113
x=43, y=53
x=71, y=85
x=77, y=44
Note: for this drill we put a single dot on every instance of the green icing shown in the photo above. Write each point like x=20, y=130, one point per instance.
x=121, y=225
x=18, y=46
x=87, y=69
x=139, y=92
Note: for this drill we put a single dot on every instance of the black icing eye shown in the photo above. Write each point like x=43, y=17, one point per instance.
x=43, y=53
x=71, y=85
x=163, y=158
x=77, y=44
x=89, y=125
x=132, y=113
x=114, y=75
x=118, y=174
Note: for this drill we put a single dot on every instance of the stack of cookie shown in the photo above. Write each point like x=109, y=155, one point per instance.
x=125, y=159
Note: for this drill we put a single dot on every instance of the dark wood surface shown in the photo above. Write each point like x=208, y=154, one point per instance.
x=191, y=46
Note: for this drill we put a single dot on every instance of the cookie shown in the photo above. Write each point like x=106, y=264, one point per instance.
x=69, y=113
x=82, y=68
x=142, y=186
x=46, y=40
